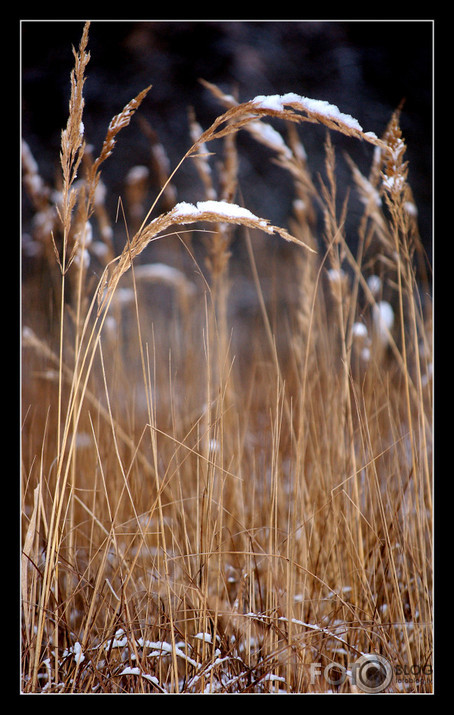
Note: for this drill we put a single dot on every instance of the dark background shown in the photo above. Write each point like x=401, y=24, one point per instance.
x=364, y=67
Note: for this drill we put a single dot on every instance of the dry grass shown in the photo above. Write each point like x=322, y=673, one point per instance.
x=214, y=506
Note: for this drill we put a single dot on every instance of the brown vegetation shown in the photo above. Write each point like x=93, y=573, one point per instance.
x=212, y=506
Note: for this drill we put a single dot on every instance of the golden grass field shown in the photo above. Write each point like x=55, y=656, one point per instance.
x=217, y=501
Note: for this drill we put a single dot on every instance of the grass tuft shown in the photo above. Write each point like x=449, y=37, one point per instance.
x=218, y=500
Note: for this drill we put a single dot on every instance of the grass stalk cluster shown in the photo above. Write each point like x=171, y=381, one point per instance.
x=215, y=504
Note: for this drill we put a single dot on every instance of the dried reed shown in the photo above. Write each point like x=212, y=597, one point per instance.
x=209, y=514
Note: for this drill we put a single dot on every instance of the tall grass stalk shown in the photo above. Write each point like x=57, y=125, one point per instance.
x=212, y=502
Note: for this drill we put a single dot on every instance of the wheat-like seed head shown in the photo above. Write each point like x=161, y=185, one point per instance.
x=185, y=213
x=294, y=108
